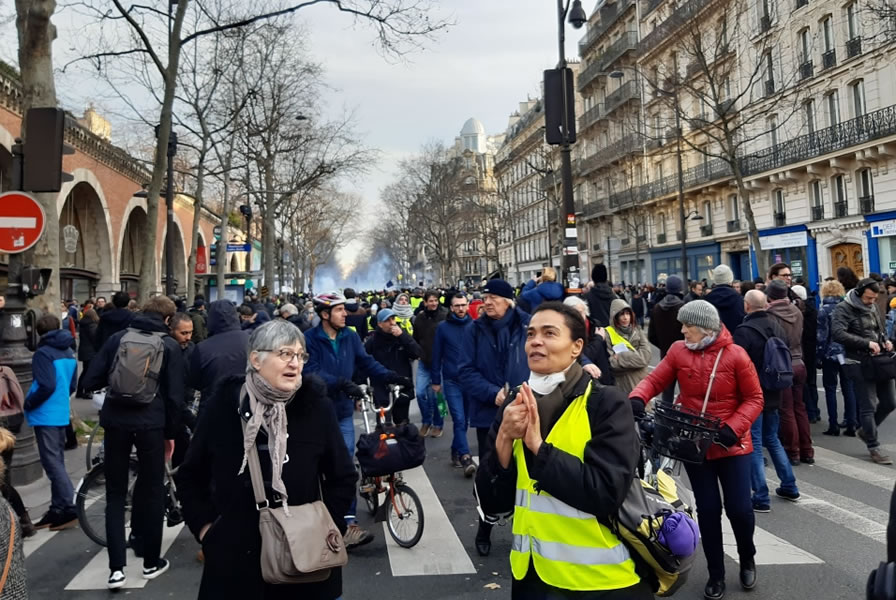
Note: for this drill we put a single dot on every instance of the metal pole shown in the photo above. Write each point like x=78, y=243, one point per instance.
x=169, y=217
x=684, y=231
x=570, y=259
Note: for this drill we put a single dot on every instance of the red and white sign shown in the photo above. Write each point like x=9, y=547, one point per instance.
x=22, y=222
x=201, y=261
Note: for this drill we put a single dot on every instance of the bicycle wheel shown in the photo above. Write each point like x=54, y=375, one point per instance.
x=405, y=516
x=90, y=502
x=92, y=460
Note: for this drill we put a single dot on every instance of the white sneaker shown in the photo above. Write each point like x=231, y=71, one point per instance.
x=154, y=572
x=116, y=580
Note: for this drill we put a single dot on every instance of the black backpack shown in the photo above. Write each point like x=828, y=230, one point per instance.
x=777, y=363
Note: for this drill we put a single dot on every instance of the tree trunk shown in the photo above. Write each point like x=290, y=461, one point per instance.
x=149, y=279
x=269, y=230
x=221, y=242
x=194, y=234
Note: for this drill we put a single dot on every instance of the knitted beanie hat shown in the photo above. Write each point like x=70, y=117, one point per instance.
x=776, y=289
x=722, y=275
x=700, y=313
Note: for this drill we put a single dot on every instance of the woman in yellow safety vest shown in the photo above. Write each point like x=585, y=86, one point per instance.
x=404, y=313
x=627, y=345
x=561, y=456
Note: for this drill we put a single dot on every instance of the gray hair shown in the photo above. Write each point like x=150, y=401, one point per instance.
x=273, y=335
x=576, y=302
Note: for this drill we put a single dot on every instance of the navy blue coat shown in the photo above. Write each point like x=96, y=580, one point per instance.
x=493, y=354
x=533, y=294
x=447, y=349
x=223, y=353
x=336, y=367
x=825, y=346
x=729, y=303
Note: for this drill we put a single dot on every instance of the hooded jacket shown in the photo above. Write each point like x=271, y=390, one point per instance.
x=200, y=324
x=729, y=303
x=261, y=317
x=826, y=348
x=355, y=317
x=664, y=328
x=533, y=295
x=223, y=353
x=754, y=342
x=87, y=346
x=855, y=325
x=493, y=355
x=735, y=398
x=629, y=368
x=111, y=322
x=53, y=367
x=599, y=299
x=791, y=320
x=425, y=324
x=395, y=353
x=447, y=348
x=164, y=412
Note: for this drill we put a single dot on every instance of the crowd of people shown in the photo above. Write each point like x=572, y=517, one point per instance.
x=552, y=386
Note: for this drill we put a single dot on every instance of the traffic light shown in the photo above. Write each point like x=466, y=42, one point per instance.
x=44, y=147
x=556, y=100
x=213, y=255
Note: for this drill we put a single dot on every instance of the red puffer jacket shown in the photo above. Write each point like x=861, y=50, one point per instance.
x=736, y=396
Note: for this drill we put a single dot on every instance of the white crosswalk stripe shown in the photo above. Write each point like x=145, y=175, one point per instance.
x=32, y=544
x=770, y=549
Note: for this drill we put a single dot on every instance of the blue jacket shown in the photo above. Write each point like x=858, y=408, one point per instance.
x=493, y=354
x=825, y=346
x=447, y=349
x=54, y=367
x=533, y=295
x=335, y=365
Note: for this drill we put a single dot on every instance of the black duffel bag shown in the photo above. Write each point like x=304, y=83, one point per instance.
x=390, y=449
x=879, y=367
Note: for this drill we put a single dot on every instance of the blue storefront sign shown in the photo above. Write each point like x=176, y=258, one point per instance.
x=701, y=258
x=792, y=245
x=881, y=238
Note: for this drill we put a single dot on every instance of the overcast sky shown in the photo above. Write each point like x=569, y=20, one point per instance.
x=482, y=67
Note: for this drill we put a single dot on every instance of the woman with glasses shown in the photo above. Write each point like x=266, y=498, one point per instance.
x=290, y=420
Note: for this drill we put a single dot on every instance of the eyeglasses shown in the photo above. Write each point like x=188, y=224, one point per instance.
x=286, y=355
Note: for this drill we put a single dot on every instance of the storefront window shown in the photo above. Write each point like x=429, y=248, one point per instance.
x=795, y=257
x=705, y=264
x=887, y=248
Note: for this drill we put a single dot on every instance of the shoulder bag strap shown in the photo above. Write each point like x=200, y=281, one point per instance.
x=712, y=377
x=9, y=550
x=255, y=475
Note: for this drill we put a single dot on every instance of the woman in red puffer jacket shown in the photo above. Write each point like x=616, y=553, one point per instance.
x=736, y=399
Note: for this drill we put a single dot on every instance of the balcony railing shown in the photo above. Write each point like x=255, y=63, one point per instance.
x=608, y=155
x=693, y=68
x=806, y=70
x=627, y=41
x=629, y=91
x=866, y=203
x=829, y=59
x=802, y=3
x=733, y=225
x=685, y=13
x=625, y=241
x=765, y=23
x=661, y=238
x=840, y=209
x=609, y=14
x=854, y=47
x=651, y=6
x=595, y=207
x=706, y=230
x=590, y=117
x=818, y=213
x=780, y=219
x=769, y=87
x=641, y=237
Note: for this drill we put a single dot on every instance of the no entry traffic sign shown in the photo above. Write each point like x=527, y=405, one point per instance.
x=22, y=222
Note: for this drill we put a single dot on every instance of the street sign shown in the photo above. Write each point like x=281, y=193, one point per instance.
x=22, y=221
x=217, y=232
x=213, y=255
x=239, y=247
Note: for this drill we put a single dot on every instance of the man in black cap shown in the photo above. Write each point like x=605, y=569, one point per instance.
x=600, y=297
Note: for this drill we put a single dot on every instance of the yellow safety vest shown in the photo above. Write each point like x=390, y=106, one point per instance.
x=415, y=301
x=405, y=324
x=615, y=338
x=569, y=548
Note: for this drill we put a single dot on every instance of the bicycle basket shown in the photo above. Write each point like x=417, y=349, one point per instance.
x=681, y=433
x=390, y=449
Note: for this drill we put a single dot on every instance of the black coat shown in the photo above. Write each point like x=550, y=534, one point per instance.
x=596, y=351
x=425, y=325
x=599, y=299
x=112, y=321
x=810, y=332
x=87, y=339
x=164, y=412
x=212, y=492
x=730, y=305
x=223, y=353
x=664, y=328
x=394, y=353
x=754, y=342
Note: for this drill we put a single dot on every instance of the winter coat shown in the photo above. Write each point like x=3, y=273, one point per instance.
x=164, y=412
x=335, y=365
x=425, y=325
x=53, y=367
x=200, y=324
x=791, y=320
x=87, y=339
x=447, y=348
x=261, y=317
x=826, y=348
x=212, y=490
x=112, y=321
x=596, y=351
x=223, y=353
x=855, y=325
x=395, y=353
x=664, y=328
x=355, y=317
x=754, y=342
x=493, y=355
x=474, y=308
x=629, y=368
x=729, y=303
x=16, y=585
x=736, y=397
x=599, y=299
x=810, y=331
x=533, y=295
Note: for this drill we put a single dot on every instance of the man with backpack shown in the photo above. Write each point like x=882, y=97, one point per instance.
x=143, y=369
x=763, y=339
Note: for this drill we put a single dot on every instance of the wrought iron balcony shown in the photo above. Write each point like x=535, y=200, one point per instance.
x=866, y=203
x=685, y=13
x=628, y=41
x=591, y=116
x=641, y=237
x=693, y=68
x=625, y=241
x=609, y=14
x=769, y=87
x=802, y=3
x=724, y=107
x=661, y=238
x=765, y=23
x=854, y=46
x=806, y=70
x=595, y=207
x=630, y=90
x=608, y=155
x=840, y=209
x=651, y=6
x=829, y=59
x=706, y=230
x=818, y=213
x=733, y=225
x=780, y=219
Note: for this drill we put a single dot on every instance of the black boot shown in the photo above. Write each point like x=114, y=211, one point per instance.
x=748, y=574
x=714, y=590
x=484, y=538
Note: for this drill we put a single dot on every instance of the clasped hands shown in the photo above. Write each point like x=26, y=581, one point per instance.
x=520, y=420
